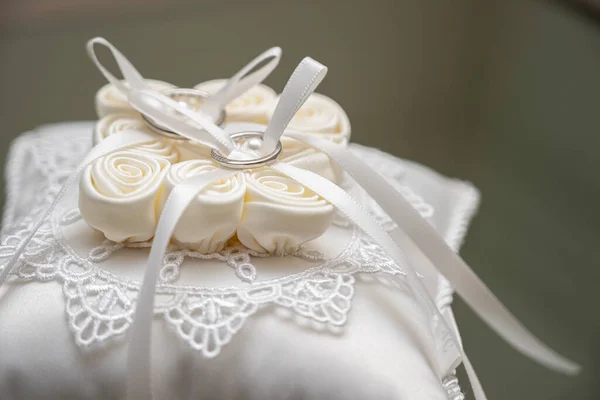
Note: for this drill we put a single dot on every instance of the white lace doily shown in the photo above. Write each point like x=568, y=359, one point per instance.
x=99, y=303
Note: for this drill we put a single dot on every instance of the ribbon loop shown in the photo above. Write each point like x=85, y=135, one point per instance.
x=244, y=80
x=133, y=79
x=303, y=82
x=160, y=107
x=157, y=105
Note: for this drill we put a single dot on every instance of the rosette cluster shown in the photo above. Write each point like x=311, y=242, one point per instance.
x=122, y=195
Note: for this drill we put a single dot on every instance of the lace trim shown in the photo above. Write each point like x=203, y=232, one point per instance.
x=450, y=384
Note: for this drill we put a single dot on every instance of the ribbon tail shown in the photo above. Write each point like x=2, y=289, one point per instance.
x=478, y=391
x=109, y=145
x=347, y=205
x=139, y=385
x=464, y=280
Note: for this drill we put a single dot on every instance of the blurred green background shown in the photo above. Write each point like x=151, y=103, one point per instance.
x=504, y=94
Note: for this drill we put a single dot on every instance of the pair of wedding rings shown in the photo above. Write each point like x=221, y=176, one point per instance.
x=193, y=99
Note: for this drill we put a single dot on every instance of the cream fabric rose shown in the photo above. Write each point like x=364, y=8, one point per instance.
x=118, y=194
x=252, y=106
x=212, y=217
x=109, y=100
x=114, y=123
x=320, y=115
x=280, y=214
x=301, y=155
x=190, y=150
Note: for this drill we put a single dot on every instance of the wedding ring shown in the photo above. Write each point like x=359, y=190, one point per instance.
x=246, y=164
x=189, y=98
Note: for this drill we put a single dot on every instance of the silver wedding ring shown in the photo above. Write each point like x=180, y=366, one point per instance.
x=246, y=164
x=190, y=98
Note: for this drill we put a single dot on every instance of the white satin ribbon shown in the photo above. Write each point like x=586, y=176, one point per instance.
x=305, y=79
x=138, y=354
x=243, y=80
x=412, y=227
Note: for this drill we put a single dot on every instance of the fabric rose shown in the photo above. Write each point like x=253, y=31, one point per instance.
x=251, y=106
x=118, y=194
x=114, y=123
x=280, y=214
x=190, y=150
x=109, y=100
x=213, y=216
x=302, y=155
x=320, y=115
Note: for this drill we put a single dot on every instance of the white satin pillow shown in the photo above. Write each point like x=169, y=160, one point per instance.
x=385, y=351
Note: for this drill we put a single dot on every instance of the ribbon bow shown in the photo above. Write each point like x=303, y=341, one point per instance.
x=413, y=232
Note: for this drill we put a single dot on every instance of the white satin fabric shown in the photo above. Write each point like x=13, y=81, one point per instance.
x=383, y=353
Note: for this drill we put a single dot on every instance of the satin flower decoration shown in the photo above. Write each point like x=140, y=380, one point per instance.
x=251, y=106
x=319, y=115
x=123, y=194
